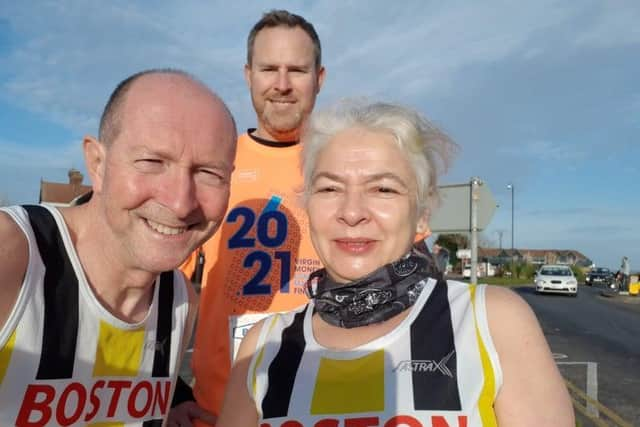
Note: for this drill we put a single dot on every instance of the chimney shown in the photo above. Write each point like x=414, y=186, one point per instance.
x=75, y=177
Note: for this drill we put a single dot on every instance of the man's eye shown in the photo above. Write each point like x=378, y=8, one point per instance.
x=211, y=177
x=326, y=189
x=149, y=165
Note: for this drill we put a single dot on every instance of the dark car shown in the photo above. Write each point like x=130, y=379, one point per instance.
x=599, y=276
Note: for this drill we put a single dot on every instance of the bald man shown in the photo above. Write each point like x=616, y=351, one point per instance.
x=93, y=315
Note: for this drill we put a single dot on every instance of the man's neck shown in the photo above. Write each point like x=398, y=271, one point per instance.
x=275, y=138
x=125, y=292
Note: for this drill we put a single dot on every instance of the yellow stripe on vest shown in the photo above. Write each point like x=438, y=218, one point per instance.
x=349, y=386
x=119, y=352
x=5, y=355
x=485, y=401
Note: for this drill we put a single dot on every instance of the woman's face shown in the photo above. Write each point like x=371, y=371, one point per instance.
x=362, y=204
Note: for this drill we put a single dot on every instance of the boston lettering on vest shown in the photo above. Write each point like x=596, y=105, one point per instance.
x=395, y=421
x=66, y=403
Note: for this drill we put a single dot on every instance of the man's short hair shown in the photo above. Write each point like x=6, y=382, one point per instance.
x=283, y=18
x=110, y=121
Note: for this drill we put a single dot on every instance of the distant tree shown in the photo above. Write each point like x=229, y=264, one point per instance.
x=453, y=242
x=484, y=241
x=579, y=273
x=528, y=271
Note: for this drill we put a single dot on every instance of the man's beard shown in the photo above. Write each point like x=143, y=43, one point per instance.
x=279, y=123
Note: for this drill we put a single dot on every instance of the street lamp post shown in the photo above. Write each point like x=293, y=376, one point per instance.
x=511, y=187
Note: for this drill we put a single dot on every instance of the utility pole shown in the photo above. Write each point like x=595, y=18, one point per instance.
x=500, y=233
x=511, y=187
x=475, y=183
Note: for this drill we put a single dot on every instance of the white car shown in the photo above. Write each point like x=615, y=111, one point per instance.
x=556, y=279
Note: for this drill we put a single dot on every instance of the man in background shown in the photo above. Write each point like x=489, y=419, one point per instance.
x=625, y=269
x=260, y=260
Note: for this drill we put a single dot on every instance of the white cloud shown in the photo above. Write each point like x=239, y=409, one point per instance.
x=22, y=167
x=74, y=53
x=60, y=156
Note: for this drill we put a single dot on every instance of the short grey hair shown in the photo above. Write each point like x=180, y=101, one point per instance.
x=284, y=19
x=428, y=149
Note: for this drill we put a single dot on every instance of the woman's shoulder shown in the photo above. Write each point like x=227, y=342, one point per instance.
x=276, y=322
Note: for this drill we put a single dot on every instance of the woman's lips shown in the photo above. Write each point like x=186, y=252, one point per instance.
x=354, y=246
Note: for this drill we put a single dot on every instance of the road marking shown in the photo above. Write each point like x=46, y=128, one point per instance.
x=592, y=384
x=558, y=356
x=613, y=417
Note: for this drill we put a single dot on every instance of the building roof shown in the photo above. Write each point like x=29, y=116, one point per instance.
x=494, y=254
x=63, y=193
x=54, y=192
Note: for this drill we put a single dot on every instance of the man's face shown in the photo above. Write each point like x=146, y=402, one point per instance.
x=164, y=181
x=283, y=80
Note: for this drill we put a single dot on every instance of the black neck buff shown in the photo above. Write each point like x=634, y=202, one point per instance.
x=380, y=295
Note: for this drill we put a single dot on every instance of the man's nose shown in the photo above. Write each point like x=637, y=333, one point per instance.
x=283, y=82
x=180, y=194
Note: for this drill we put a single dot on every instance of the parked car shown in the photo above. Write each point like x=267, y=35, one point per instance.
x=599, y=276
x=484, y=270
x=556, y=279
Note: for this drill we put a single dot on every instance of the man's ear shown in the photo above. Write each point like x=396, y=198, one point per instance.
x=321, y=75
x=95, y=154
x=247, y=75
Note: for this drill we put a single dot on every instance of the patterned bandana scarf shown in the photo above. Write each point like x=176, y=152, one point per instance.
x=376, y=297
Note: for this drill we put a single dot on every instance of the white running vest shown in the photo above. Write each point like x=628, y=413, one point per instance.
x=438, y=368
x=65, y=360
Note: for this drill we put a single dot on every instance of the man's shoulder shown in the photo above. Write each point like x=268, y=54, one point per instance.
x=12, y=220
x=14, y=258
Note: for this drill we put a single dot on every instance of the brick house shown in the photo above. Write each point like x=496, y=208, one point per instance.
x=61, y=194
x=533, y=256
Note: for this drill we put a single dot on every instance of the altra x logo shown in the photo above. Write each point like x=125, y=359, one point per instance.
x=427, y=365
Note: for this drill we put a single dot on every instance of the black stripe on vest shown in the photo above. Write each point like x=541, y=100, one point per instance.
x=283, y=369
x=60, y=298
x=433, y=356
x=162, y=356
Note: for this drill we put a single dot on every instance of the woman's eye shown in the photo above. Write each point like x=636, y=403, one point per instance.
x=388, y=190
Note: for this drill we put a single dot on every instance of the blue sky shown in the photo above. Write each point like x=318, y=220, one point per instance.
x=542, y=94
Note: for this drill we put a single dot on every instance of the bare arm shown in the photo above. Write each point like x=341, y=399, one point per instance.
x=239, y=408
x=14, y=257
x=533, y=392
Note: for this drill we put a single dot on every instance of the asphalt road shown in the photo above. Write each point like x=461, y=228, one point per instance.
x=596, y=341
